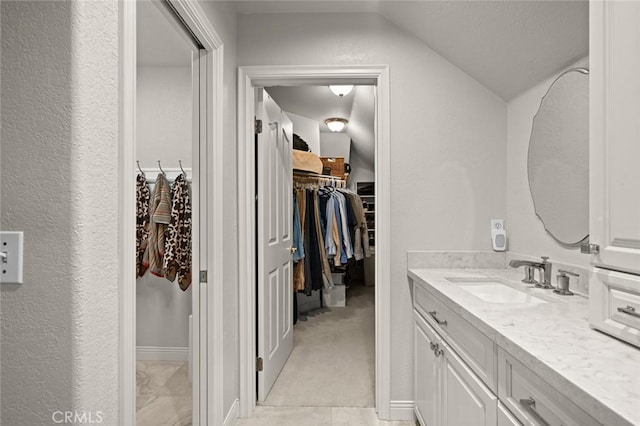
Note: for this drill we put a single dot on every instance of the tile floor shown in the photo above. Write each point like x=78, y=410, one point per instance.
x=316, y=416
x=163, y=394
x=313, y=389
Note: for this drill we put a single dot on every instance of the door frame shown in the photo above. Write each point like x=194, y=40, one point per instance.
x=249, y=78
x=207, y=332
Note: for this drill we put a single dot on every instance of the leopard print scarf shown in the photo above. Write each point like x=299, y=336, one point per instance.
x=143, y=194
x=177, y=257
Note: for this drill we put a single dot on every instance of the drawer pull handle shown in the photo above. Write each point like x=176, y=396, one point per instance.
x=629, y=310
x=435, y=318
x=529, y=404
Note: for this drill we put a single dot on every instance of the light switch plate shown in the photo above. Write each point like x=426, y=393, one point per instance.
x=11, y=259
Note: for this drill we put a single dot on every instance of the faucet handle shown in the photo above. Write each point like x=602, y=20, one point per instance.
x=544, y=259
x=564, y=273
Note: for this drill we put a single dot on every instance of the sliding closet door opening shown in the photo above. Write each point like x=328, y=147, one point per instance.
x=315, y=281
x=168, y=182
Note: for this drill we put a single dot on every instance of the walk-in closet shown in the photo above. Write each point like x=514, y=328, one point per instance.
x=331, y=203
x=164, y=228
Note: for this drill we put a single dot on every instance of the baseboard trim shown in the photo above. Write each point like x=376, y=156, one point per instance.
x=401, y=410
x=156, y=353
x=232, y=414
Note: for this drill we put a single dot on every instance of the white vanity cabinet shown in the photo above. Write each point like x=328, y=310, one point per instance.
x=614, y=28
x=614, y=171
x=447, y=391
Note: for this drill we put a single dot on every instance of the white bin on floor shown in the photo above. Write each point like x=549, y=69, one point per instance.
x=335, y=297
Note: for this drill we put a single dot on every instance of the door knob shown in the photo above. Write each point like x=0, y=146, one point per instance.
x=292, y=249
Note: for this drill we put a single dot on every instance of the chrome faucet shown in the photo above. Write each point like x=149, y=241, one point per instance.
x=543, y=267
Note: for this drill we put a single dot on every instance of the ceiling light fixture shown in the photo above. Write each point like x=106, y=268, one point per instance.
x=341, y=90
x=335, y=124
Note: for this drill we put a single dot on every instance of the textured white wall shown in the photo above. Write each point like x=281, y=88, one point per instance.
x=307, y=129
x=448, y=141
x=59, y=180
x=223, y=19
x=525, y=231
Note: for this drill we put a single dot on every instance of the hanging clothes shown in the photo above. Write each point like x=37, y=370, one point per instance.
x=143, y=194
x=160, y=217
x=177, y=257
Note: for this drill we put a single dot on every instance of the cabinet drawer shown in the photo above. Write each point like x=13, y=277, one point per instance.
x=505, y=418
x=532, y=400
x=614, y=304
x=476, y=349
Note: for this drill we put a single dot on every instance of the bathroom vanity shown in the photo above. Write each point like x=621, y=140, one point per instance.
x=491, y=351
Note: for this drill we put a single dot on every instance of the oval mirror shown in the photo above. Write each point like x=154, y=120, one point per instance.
x=558, y=162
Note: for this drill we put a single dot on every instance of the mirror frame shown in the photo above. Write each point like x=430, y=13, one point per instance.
x=581, y=70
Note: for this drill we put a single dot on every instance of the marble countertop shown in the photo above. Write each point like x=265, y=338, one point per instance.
x=597, y=372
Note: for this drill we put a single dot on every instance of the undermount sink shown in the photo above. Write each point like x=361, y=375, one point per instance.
x=492, y=291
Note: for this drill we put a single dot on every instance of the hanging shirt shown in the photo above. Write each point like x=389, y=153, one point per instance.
x=346, y=236
x=329, y=242
x=338, y=221
x=300, y=268
x=313, y=279
x=297, y=232
x=327, y=279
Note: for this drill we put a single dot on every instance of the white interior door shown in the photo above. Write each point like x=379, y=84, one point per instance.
x=274, y=227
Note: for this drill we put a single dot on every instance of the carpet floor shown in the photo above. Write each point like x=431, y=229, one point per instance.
x=333, y=358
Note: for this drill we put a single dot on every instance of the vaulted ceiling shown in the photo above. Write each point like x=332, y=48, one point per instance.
x=508, y=46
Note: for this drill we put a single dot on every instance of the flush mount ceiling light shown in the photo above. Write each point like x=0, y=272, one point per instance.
x=335, y=124
x=341, y=90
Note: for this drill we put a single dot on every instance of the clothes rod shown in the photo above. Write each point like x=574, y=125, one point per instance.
x=315, y=175
x=171, y=173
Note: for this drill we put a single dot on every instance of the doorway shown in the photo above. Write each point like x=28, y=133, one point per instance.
x=329, y=341
x=180, y=104
x=167, y=145
x=251, y=78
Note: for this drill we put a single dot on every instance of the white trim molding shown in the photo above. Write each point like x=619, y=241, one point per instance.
x=232, y=415
x=249, y=78
x=402, y=410
x=207, y=310
x=127, y=223
x=157, y=353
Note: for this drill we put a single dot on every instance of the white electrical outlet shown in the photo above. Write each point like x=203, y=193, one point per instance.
x=11, y=257
x=497, y=224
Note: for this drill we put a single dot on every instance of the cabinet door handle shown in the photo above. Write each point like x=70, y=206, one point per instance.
x=438, y=351
x=629, y=310
x=529, y=404
x=433, y=346
x=435, y=318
